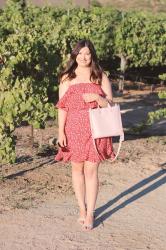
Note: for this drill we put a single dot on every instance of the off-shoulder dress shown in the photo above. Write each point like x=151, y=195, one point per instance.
x=80, y=146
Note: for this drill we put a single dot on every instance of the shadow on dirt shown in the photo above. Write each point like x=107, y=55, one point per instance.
x=136, y=187
x=41, y=163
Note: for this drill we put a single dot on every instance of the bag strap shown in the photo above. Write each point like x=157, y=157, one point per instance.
x=119, y=147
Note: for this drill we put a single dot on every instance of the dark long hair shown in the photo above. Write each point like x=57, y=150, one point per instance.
x=69, y=70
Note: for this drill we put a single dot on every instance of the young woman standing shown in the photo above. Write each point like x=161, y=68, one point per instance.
x=83, y=85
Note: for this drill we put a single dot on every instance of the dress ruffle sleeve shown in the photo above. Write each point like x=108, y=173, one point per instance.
x=63, y=102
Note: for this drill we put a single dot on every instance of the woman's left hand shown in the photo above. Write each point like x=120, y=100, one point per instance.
x=90, y=97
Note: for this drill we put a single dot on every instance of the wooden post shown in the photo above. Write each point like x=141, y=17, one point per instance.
x=31, y=136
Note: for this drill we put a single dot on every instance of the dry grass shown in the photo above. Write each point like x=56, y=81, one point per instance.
x=150, y=5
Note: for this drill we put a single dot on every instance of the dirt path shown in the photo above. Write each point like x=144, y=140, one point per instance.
x=130, y=214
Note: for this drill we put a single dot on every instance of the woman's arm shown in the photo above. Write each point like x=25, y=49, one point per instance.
x=62, y=114
x=107, y=88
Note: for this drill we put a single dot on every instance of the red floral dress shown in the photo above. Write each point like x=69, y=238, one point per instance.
x=80, y=145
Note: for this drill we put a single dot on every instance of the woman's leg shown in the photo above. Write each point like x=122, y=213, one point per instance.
x=78, y=181
x=92, y=186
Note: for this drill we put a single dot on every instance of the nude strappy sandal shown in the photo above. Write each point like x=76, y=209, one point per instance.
x=81, y=219
x=89, y=227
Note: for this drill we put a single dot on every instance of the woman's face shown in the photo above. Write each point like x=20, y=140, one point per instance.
x=83, y=58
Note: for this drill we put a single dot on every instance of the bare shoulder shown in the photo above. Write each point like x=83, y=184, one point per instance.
x=64, y=85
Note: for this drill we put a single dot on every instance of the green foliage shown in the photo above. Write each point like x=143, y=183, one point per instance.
x=161, y=113
x=162, y=94
x=163, y=77
x=17, y=105
x=140, y=38
x=29, y=69
x=156, y=115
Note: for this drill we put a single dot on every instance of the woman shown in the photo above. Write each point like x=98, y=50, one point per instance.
x=83, y=85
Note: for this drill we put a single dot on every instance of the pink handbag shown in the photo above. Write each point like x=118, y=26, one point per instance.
x=106, y=122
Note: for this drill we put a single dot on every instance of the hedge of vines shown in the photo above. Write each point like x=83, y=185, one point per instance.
x=35, y=43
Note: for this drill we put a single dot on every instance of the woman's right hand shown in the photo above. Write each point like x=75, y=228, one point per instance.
x=62, y=139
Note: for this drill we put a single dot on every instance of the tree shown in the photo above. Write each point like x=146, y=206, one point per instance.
x=140, y=40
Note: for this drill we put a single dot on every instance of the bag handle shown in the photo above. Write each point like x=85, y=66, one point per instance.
x=119, y=147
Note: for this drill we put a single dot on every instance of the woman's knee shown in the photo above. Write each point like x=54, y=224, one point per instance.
x=91, y=170
x=77, y=168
